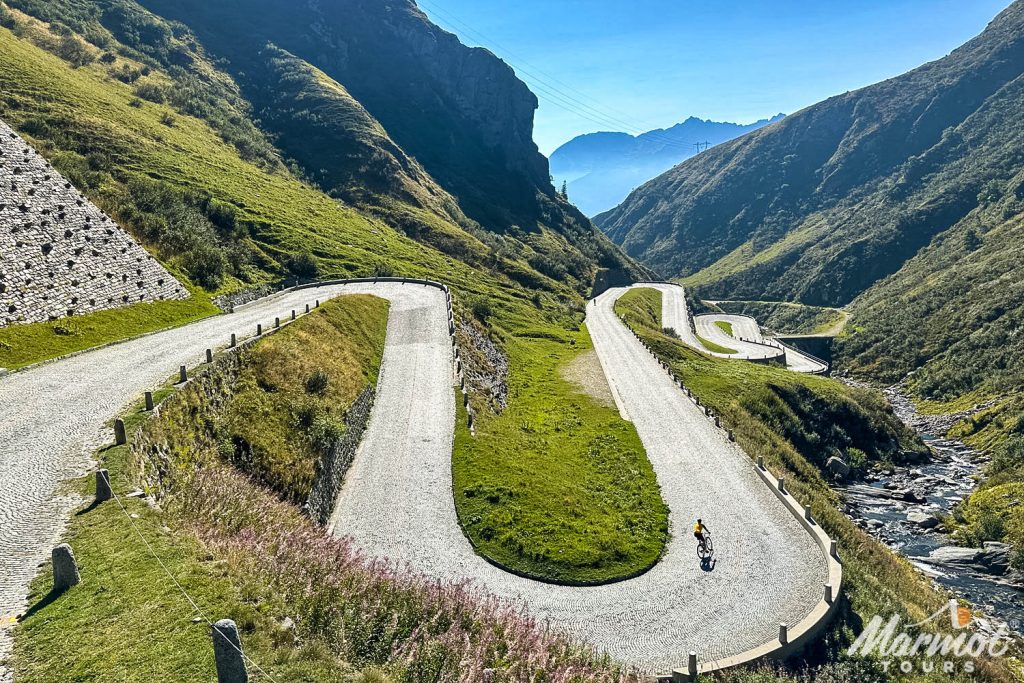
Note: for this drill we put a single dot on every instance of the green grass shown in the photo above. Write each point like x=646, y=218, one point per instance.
x=278, y=419
x=724, y=326
x=713, y=347
x=127, y=621
x=22, y=345
x=557, y=487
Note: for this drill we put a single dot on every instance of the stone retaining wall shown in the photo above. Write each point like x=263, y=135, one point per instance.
x=333, y=466
x=59, y=254
x=226, y=302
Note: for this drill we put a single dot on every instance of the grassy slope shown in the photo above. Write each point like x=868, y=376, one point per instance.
x=277, y=422
x=22, y=345
x=558, y=487
x=794, y=422
x=127, y=621
x=128, y=613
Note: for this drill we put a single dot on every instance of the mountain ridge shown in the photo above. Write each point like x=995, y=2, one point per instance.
x=601, y=168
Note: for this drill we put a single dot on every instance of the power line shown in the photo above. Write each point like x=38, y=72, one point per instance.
x=553, y=93
x=180, y=588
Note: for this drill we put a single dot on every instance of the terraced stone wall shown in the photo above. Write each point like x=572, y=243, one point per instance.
x=59, y=254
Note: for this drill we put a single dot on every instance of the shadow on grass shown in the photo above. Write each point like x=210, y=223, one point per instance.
x=46, y=600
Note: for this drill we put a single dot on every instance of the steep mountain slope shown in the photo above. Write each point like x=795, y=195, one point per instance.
x=422, y=134
x=602, y=168
x=819, y=206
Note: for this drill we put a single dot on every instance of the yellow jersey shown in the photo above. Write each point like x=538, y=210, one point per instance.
x=698, y=528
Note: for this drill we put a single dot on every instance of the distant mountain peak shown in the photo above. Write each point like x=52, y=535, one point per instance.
x=602, y=168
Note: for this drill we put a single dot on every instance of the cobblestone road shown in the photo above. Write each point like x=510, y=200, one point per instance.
x=52, y=418
x=397, y=503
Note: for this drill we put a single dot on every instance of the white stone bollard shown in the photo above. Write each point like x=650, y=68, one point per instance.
x=784, y=633
x=65, y=568
x=828, y=593
x=782, y=484
x=691, y=665
x=227, y=653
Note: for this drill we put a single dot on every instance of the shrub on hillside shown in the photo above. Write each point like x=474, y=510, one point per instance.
x=302, y=265
x=205, y=266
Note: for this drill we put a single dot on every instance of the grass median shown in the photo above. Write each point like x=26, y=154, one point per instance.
x=558, y=487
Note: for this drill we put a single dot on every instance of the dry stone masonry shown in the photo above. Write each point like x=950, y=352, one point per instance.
x=59, y=254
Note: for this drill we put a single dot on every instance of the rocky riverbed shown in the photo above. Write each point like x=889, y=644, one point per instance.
x=904, y=507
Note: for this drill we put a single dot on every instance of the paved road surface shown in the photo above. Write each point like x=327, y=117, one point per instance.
x=52, y=419
x=397, y=500
x=742, y=327
x=397, y=503
x=675, y=315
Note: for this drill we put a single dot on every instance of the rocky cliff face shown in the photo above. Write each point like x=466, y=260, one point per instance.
x=461, y=112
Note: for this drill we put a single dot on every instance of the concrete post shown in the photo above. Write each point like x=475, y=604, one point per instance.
x=209, y=355
x=807, y=514
x=293, y=314
x=834, y=550
x=691, y=665
x=783, y=634
x=760, y=461
x=234, y=340
x=65, y=568
x=259, y=329
x=732, y=436
x=828, y=593
x=307, y=308
x=277, y=323
x=782, y=484
x=120, y=433
x=149, y=400
x=103, y=491
x=227, y=653
x=182, y=374
x=718, y=421
x=317, y=303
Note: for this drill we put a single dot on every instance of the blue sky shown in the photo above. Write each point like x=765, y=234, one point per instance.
x=634, y=65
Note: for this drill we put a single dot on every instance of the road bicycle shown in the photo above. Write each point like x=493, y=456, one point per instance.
x=705, y=548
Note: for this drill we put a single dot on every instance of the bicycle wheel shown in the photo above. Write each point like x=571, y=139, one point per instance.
x=709, y=544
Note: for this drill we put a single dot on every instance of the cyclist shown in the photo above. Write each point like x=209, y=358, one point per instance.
x=698, y=532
